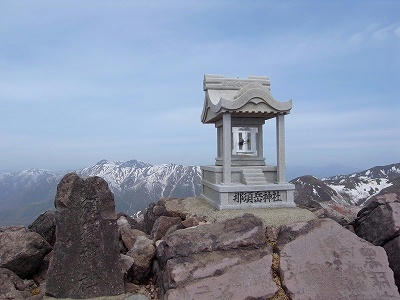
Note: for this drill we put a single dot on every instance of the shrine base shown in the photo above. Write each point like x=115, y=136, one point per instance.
x=248, y=196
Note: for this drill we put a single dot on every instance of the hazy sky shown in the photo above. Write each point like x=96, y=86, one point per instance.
x=85, y=80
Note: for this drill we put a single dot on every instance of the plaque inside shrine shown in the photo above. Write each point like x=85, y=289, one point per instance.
x=240, y=177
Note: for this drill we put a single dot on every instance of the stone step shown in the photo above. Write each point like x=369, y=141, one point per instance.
x=253, y=176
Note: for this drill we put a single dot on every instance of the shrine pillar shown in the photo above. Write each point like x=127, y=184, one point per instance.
x=280, y=149
x=227, y=147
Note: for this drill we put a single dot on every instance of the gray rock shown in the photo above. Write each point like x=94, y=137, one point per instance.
x=13, y=287
x=237, y=274
x=86, y=253
x=161, y=226
x=45, y=225
x=392, y=249
x=379, y=221
x=126, y=264
x=244, y=231
x=21, y=250
x=129, y=235
x=142, y=253
x=322, y=260
x=41, y=274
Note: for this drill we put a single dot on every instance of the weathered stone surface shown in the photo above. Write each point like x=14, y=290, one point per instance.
x=169, y=207
x=229, y=234
x=129, y=235
x=13, y=287
x=45, y=225
x=127, y=296
x=238, y=274
x=343, y=214
x=41, y=274
x=173, y=228
x=21, y=250
x=194, y=221
x=126, y=264
x=86, y=253
x=392, y=249
x=142, y=253
x=161, y=226
x=322, y=260
x=379, y=221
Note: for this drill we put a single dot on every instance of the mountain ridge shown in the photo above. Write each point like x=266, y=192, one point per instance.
x=135, y=184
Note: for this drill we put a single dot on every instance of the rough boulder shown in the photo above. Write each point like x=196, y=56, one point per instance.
x=379, y=223
x=86, y=253
x=45, y=225
x=322, y=260
x=21, y=250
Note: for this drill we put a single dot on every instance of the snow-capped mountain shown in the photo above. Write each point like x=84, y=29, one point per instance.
x=353, y=189
x=26, y=194
x=135, y=184
x=358, y=187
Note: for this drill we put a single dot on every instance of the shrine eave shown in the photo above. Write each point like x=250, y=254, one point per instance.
x=249, y=97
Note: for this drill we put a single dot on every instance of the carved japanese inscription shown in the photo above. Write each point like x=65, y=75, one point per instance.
x=257, y=197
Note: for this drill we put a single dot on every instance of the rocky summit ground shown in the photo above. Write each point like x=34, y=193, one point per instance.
x=183, y=248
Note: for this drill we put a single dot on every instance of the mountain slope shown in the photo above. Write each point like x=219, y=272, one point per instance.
x=310, y=191
x=24, y=195
x=358, y=187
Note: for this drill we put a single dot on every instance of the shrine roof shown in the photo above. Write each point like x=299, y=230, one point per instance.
x=243, y=97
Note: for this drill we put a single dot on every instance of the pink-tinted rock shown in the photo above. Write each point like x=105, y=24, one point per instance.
x=193, y=221
x=238, y=274
x=161, y=226
x=128, y=235
x=142, y=253
x=169, y=207
x=392, y=249
x=13, y=287
x=244, y=231
x=322, y=260
x=21, y=250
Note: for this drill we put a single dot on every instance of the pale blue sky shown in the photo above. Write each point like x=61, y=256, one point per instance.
x=85, y=80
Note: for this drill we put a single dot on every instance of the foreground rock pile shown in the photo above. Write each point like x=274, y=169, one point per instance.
x=184, y=249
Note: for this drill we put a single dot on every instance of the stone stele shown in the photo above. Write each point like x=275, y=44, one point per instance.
x=86, y=252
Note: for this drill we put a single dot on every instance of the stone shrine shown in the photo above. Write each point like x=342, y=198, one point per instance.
x=240, y=178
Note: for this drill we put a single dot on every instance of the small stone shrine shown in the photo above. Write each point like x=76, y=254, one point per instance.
x=240, y=177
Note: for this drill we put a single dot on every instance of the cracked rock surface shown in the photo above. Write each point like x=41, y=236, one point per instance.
x=86, y=252
x=322, y=260
x=379, y=223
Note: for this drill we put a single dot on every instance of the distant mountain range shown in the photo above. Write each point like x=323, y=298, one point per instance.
x=135, y=184
x=352, y=189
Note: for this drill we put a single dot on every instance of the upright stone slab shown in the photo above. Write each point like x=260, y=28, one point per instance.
x=86, y=253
